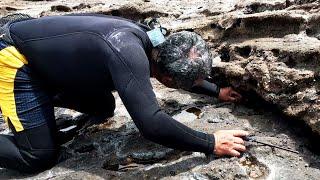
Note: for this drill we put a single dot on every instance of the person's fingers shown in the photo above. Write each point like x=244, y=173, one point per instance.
x=232, y=99
x=234, y=153
x=235, y=94
x=239, y=147
x=239, y=133
x=238, y=140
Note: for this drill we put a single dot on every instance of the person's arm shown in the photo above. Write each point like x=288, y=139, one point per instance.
x=211, y=89
x=129, y=67
x=207, y=88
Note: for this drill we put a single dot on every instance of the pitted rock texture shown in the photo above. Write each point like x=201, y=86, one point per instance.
x=283, y=71
x=268, y=50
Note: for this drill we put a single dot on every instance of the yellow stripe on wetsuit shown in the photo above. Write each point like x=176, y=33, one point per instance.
x=10, y=61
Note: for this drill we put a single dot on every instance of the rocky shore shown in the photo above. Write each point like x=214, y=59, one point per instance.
x=268, y=50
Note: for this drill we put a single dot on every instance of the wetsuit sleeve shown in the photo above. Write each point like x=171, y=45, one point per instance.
x=131, y=76
x=207, y=88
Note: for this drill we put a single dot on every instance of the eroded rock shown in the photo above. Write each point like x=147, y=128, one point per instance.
x=282, y=71
x=267, y=49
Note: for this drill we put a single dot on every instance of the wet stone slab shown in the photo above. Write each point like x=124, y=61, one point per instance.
x=115, y=148
x=269, y=47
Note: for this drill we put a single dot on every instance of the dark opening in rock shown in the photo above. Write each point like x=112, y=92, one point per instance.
x=8, y=8
x=172, y=106
x=172, y=173
x=224, y=55
x=188, y=115
x=196, y=111
x=253, y=83
x=190, y=30
x=276, y=52
x=111, y=166
x=244, y=51
x=309, y=31
x=115, y=13
x=61, y=8
x=275, y=26
x=81, y=6
x=291, y=62
x=215, y=26
x=237, y=23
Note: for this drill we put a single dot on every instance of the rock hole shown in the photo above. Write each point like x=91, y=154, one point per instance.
x=188, y=115
x=8, y=8
x=253, y=83
x=253, y=167
x=225, y=55
x=215, y=26
x=288, y=3
x=172, y=106
x=111, y=166
x=309, y=31
x=237, y=23
x=244, y=51
x=276, y=52
x=253, y=8
x=61, y=8
x=81, y=6
x=196, y=111
x=291, y=62
x=115, y=13
x=190, y=30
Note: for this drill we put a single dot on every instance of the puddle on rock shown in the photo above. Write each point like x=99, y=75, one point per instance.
x=188, y=115
x=196, y=111
x=254, y=168
x=130, y=163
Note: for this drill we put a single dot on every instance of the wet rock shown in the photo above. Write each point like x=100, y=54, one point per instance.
x=81, y=6
x=61, y=8
x=268, y=50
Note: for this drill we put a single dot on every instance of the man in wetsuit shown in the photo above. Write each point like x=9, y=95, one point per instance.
x=76, y=62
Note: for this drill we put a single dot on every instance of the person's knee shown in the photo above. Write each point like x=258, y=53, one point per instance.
x=40, y=160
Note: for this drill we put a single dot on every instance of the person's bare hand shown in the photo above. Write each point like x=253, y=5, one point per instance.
x=229, y=95
x=229, y=142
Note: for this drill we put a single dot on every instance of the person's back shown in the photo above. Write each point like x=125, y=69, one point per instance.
x=71, y=52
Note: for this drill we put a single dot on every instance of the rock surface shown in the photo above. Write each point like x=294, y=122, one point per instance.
x=267, y=49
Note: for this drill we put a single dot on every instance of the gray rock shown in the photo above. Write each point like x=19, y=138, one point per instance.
x=269, y=48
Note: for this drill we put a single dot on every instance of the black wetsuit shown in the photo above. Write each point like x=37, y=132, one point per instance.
x=81, y=59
